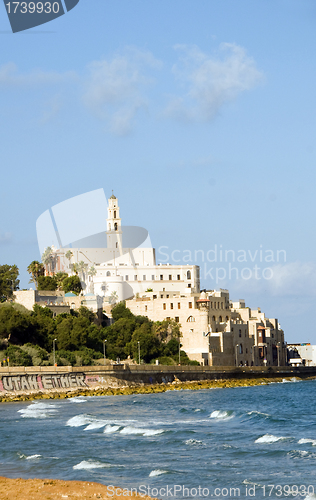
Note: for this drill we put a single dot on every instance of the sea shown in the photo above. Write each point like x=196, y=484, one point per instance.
x=256, y=442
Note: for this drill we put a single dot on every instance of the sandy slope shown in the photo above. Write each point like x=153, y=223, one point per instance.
x=53, y=489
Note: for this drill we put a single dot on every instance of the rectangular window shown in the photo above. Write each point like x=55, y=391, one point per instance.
x=161, y=277
x=170, y=277
x=144, y=277
x=168, y=317
x=179, y=305
x=164, y=306
x=177, y=319
x=154, y=296
x=178, y=277
x=126, y=278
x=190, y=305
x=167, y=296
x=161, y=296
x=189, y=285
x=135, y=277
x=145, y=308
x=171, y=305
x=153, y=277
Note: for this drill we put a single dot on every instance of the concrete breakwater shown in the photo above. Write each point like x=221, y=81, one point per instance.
x=46, y=379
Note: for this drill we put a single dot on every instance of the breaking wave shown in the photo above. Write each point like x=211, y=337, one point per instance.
x=90, y=464
x=157, y=472
x=38, y=410
x=307, y=441
x=269, y=438
x=221, y=415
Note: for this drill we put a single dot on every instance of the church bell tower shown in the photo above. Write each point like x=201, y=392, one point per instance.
x=114, y=229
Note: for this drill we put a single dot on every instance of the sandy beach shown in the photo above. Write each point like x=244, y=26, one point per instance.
x=53, y=489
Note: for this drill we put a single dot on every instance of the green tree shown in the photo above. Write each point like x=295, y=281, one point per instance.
x=72, y=333
x=17, y=357
x=149, y=344
x=35, y=269
x=72, y=284
x=167, y=329
x=121, y=311
x=48, y=259
x=47, y=283
x=15, y=326
x=60, y=279
x=8, y=281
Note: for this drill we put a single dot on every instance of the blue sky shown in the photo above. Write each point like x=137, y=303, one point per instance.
x=200, y=115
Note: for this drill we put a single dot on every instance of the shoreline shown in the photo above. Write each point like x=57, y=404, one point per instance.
x=146, y=389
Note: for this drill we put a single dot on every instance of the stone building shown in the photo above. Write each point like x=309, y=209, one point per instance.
x=215, y=331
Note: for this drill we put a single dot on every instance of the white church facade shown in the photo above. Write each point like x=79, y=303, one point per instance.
x=117, y=272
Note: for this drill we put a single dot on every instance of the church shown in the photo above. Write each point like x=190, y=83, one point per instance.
x=122, y=264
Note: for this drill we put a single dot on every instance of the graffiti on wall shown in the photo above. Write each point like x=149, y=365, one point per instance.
x=42, y=382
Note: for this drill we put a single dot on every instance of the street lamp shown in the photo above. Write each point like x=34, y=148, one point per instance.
x=54, y=350
x=236, y=353
x=278, y=352
x=138, y=352
x=104, y=349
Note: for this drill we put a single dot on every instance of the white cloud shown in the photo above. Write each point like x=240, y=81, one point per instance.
x=10, y=76
x=290, y=279
x=210, y=82
x=6, y=238
x=115, y=88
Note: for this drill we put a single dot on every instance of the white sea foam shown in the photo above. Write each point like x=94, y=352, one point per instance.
x=38, y=410
x=90, y=464
x=193, y=442
x=77, y=399
x=306, y=441
x=221, y=415
x=79, y=420
x=30, y=457
x=143, y=432
x=109, y=429
x=312, y=496
x=269, y=438
x=259, y=413
x=97, y=424
x=157, y=472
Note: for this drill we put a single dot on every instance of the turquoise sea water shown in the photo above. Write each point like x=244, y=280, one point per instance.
x=257, y=442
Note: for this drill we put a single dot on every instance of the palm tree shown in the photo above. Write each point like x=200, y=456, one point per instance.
x=35, y=269
x=113, y=298
x=48, y=259
x=68, y=256
x=82, y=268
x=92, y=271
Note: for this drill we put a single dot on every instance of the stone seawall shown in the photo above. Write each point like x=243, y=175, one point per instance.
x=36, y=379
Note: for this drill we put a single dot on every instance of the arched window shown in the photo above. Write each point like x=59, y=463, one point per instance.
x=115, y=226
x=226, y=318
x=114, y=214
x=213, y=318
x=220, y=319
x=108, y=273
x=188, y=275
x=190, y=319
x=240, y=349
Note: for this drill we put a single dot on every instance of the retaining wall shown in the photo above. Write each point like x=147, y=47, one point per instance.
x=49, y=378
